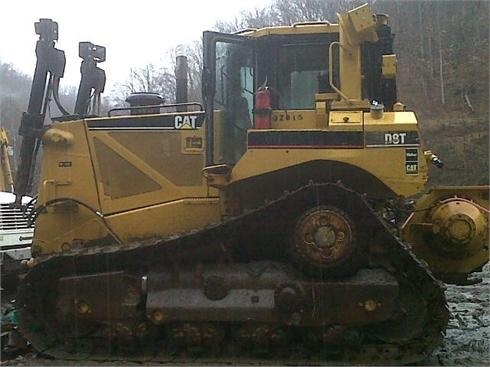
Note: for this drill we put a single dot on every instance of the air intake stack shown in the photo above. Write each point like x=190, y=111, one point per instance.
x=145, y=103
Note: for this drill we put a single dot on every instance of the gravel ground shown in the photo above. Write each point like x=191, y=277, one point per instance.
x=467, y=341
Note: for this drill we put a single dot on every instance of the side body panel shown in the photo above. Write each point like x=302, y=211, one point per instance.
x=131, y=177
x=388, y=150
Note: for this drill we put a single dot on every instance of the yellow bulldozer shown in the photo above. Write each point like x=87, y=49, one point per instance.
x=272, y=221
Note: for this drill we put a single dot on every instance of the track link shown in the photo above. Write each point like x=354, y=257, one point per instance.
x=37, y=295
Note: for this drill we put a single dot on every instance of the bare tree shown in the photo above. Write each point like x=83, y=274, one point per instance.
x=286, y=13
x=289, y=12
x=148, y=78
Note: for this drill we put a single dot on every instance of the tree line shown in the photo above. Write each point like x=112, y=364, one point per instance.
x=442, y=49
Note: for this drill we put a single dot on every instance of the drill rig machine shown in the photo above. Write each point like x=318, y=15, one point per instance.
x=266, y=223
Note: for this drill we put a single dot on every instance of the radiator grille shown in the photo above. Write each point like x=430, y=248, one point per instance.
x=14, y=218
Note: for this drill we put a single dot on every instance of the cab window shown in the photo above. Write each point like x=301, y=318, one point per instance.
x=302, y=71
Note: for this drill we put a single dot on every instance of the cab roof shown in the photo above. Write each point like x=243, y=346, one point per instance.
x=296, y=28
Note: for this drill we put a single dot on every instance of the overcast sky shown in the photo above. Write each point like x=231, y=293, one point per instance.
x=135, y=33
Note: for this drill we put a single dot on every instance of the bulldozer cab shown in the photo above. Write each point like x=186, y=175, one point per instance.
x=308, y=70
x=292, y=64
x=293, y=67
x=309, y=91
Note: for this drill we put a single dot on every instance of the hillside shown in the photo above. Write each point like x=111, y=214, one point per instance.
x=463, y=144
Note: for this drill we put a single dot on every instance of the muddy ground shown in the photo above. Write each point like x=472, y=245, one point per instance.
x=467, y=341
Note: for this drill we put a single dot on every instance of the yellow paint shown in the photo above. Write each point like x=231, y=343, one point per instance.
x=151, y=185
x=6, y=177
x=449, y=228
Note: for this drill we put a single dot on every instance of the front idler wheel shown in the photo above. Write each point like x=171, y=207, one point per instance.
x=324, y=243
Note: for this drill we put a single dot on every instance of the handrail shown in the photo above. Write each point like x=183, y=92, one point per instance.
x=201, y=108
x=318, y=22
x=245, y=30
x=330, y=70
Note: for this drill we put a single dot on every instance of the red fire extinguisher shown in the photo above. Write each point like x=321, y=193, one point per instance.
x=263, y=110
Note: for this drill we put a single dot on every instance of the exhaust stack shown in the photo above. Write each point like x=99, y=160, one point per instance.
x=181, y=82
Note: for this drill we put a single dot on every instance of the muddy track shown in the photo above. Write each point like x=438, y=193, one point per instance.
x=37, y=293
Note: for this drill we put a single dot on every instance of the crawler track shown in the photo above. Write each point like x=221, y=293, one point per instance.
x=255, y=236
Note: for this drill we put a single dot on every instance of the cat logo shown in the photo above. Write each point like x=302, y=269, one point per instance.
x=411, y=168
x=185, y=122
x=411, y=161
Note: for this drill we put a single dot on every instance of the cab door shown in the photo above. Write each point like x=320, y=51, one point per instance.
x=228, y=89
